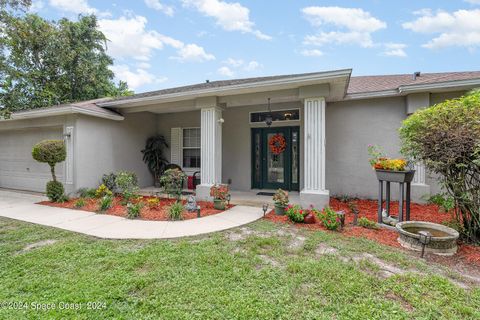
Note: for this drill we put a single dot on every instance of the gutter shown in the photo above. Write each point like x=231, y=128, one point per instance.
x=67, y=110
x=227, y=89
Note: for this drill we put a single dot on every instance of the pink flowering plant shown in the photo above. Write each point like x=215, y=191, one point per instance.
x=329, y=218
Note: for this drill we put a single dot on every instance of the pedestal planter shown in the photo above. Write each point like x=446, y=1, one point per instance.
x=219, y=204
x=403, y=178
x=279, y=210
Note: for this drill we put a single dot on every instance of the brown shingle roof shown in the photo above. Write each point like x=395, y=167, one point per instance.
x=363, y=84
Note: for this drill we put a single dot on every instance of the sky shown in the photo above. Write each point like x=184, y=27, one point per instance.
x=159, y=44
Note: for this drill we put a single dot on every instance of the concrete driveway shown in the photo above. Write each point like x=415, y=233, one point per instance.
x=22, y=206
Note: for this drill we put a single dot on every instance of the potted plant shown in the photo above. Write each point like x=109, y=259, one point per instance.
x=220, y=194
x=280, y=199
x=387, y=169
x=172, y=182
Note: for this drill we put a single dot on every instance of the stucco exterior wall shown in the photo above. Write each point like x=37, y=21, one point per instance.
x=104, y=146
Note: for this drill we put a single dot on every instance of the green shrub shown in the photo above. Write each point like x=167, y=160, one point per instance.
x=172, y=182
x=444, y=201
x=134, y=210
x=55, y=191
x=102, y=191
x=127, y=185
x=329, y=218
x=175, y=212
x=153, y=156
x=106, y=202
x=365, y=223
x=87, y=193
x=109, y=180
x=50, y=152
x=295, y=213
x=80, y=203
x=446, y=138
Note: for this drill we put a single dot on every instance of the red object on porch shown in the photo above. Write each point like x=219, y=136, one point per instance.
x=191, y=180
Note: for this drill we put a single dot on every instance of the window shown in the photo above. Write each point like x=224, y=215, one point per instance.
x=279, y=115
x=191, y=148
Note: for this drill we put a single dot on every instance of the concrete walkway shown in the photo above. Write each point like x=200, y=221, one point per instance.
x=21, y=206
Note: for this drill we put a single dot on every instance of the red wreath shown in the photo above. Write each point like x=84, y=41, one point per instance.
x=277, y=144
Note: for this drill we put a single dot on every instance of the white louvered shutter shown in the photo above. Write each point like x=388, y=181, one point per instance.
x=176, y=146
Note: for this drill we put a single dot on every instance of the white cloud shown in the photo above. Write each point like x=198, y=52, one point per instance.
x=354, y=26
x=193, y=53
x=76, y=7
x=473, y=1
x=229, y=16
x=36, y=6
x=395, y=50
x=136, y=78
x=129, y=38
x=252, y=66
x=460, y=28
x=234, y=62
x=225, y=71
x=157, y=5
x=311, y=53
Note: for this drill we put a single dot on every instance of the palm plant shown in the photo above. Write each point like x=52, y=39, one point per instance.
x=153, y=156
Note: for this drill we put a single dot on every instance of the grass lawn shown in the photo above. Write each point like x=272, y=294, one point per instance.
x=261, y=271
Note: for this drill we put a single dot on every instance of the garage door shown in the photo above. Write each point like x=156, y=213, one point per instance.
x=18, y=170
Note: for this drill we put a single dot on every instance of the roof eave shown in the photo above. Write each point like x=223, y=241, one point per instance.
x=61, y=111
x=231, y=89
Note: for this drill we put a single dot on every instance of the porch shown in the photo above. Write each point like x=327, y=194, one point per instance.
x=242, y=198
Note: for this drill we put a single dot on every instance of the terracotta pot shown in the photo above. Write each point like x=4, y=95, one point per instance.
x=309, y=218
x=279, y=210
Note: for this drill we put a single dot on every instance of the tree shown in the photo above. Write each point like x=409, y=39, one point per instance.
x=446, y=138
x=153, y=156
x=49, y=63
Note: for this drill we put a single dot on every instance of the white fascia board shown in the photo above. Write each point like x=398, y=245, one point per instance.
x=373, y=94
x=218, y=91
x=50, y=112
x=439, y=85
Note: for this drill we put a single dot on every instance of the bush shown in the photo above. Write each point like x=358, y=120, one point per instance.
x=109, y=180
x=295, y=213
x=220, y=192
x=444, y=201
x=87, y=193
x=365, y=223
x=106, y=202
x=55, y=191
x=134, y=210
x=102, y=191
x=127, y=185
x=172, y=182
x=80, y=203
x=175, y=211
x=329, y=218
x=153, y=203
x=50, y=152
x=446, y=138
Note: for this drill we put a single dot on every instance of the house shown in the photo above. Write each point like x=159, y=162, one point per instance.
x=321, y=125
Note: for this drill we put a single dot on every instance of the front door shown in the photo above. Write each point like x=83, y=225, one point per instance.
x=276, y=158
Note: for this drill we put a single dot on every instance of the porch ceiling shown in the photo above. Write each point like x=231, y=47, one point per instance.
x=245, y=94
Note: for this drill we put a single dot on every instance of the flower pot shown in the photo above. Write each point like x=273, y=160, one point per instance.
x=395, y=176
x=309, y=218
x=279, y=210
x=219, y=204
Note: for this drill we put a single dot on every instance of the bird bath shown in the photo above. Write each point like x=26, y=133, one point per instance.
x=443, y=240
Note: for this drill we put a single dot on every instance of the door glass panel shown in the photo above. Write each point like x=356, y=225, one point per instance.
x=275, y=163
x=294, y=157
x=258, y=158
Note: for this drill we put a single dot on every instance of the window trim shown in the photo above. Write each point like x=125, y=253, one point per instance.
x=276, y=121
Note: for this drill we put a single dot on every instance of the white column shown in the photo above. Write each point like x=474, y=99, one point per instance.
x=314, y=191
x=211, y=151
x=421, y=191
x=419, y=177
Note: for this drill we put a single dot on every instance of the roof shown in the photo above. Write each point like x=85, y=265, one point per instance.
x=89, y=107
x=365, y=84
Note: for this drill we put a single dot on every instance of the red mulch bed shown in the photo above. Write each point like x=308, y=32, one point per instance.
x=158, y=213
x=368, y=208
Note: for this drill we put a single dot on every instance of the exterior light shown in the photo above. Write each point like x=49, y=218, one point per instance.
x=198, y=211
x=228, y=198
x=268, y=117
x=265, y=208
x=425, y=238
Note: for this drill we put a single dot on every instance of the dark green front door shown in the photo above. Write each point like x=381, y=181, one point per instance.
x=273, y=169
